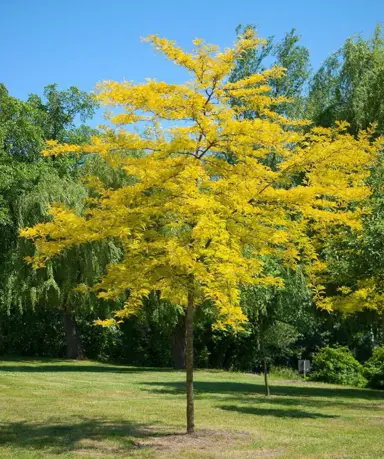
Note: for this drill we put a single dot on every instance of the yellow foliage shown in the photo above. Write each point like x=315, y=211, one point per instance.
x=192, y=220
x=367, y=295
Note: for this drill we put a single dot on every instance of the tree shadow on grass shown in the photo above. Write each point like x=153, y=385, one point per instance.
x=286, y=401
x=112, y=436
x=280, y=413
x=78, y=367
x=223, y=387
x=297, y=401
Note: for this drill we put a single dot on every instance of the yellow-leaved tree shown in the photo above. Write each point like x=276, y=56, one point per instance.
x=212, y=194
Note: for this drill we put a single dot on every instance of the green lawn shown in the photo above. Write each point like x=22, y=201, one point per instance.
x=51, y=408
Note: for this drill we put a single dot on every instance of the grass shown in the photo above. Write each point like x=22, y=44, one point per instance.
x=52, y=408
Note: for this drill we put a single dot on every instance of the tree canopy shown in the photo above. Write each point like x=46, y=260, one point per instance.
x=193, y=225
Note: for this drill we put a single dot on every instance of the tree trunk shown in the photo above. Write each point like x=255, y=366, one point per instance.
x=262, y=329
x=189, y=365
x=267, y=390
x=179, y=344
x=72, y=338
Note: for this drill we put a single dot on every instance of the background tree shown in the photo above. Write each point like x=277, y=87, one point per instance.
x=58, y=111
x=288, y=54
x=29, y=183
x=349, y=86
x=261, y=302
x=277, y=317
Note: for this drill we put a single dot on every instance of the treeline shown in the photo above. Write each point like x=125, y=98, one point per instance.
x=43, y=314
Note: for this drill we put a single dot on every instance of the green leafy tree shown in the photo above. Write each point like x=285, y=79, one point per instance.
x=288, y=54
x=57, y=111
x=350, y=85
x=277, y=316
x=29, y=183
x=271, y=330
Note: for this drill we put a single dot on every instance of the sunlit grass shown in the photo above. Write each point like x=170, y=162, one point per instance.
x=53, y=408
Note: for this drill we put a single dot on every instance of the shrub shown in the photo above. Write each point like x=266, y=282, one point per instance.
x=374, y=369
x=337, y=366
x=285, y=373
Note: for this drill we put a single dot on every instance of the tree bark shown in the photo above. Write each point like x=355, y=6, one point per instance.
x=179, y=344
x=267, y=389
x=72, y=338
x=189, y=365
x=264, y=357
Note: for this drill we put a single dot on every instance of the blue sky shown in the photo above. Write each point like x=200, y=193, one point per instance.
x=85, y=41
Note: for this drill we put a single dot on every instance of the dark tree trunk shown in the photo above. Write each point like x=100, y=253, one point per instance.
x=265, y=369
x=72, y=338
x=179, y=344
x=263, y=327
x=267, y=389
x=189, y=365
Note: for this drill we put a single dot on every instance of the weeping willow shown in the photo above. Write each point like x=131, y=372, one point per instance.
x=64, y=283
